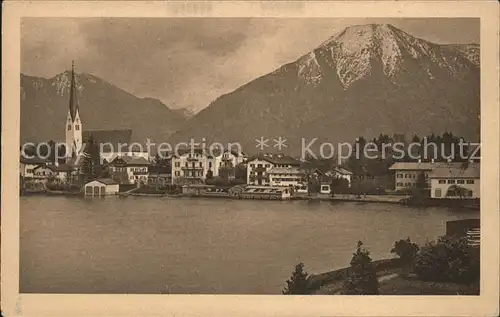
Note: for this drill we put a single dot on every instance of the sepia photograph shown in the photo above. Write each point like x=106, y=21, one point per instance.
x=252, y=155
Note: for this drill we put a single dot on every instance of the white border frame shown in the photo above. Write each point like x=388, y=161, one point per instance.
x=39, y=305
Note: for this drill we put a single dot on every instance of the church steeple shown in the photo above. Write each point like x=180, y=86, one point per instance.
x=73, y=99
x=74, y=125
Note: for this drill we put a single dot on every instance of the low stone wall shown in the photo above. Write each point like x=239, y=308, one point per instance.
x=317, y=281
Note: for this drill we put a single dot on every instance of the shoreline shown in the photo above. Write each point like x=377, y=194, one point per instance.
x=378, y=199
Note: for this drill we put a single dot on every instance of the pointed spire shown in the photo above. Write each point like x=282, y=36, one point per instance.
x=73, y=100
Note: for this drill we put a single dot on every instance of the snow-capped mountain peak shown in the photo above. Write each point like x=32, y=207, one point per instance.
x=357, y=50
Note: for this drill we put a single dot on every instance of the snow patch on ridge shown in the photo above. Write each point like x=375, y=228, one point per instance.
x=309, y=69
x=62, y=83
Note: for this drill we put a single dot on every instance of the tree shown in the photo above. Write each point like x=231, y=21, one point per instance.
x=240, y=172
x=297, y=284
x=421, y=182
x=308, y=167
x=361, y=277
x=339, y=184
x=209, y=175
x=406, y=251
x=226, y=171
x=91, y=164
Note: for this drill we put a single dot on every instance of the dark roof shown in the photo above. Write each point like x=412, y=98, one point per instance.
x=183, y=151
x=60, y=168
x=73, y=97
x=276, y=159
x=34, y=160
x=113, y=137
x=131, y=160
x=413, y=166
x=105, y=181
x=470, y=170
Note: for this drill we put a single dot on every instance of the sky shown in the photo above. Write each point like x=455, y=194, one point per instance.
x=189, y=62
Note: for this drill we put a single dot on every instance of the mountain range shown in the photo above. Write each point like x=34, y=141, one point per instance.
x=363, y=81
x=45, y=102
x=366, y=80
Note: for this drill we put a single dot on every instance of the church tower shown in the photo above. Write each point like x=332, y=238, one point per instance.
x=74, y=125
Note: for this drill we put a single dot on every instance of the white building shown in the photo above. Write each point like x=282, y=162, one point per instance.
x=258, y=167
x=27, y=166
x=286, y=176
x=456, y=181
x=340, y=172
x=101, y=187
x=56, y=172
x=192, y=166
x=129, y=170
x=407, y=173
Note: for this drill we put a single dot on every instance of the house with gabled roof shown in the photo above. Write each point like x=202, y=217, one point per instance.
x=459, y=180
x=258, y=167
x=28, y=165
x=129, y=169
x=340, y=172
x=56, y=172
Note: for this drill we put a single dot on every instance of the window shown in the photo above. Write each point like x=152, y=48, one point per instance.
x=267, y=165
x=460, y=181
x=437, y=193
x=69, y=127
x=77, y=127
x=442, y=181
x=201, y=164
x=177, y=164
x=451, y=181
x=186, y=164
x=470, y=181
x=210, y=164
x=252, y=165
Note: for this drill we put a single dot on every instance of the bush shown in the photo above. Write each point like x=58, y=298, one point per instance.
x=405, y=250
x=297, y=284
x=362, y=276
x=448, y=260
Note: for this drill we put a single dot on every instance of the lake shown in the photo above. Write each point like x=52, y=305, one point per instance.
x=196, y=245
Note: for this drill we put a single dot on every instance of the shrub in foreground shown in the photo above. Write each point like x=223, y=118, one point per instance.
x=362, y=276
x=448, y=260
x=406, y=251
x=297, y=284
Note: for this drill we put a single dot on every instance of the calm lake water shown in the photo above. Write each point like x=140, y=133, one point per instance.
x=188, y=245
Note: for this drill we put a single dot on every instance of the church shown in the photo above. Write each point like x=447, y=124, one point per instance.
x=113, y=143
